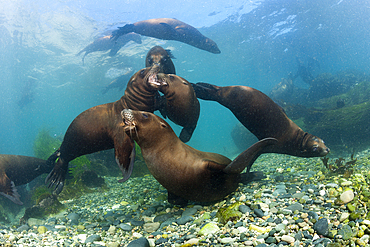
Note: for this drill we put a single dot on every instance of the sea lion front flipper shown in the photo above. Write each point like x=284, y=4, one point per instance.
x=205, y=91
x=57, y=176
x=246, y=158
x=186, y=134
x=124, y=150
x=114, y=50
x=176, y=200
x=7, y=189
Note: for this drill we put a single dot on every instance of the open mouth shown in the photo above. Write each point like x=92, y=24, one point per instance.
x=152, y=77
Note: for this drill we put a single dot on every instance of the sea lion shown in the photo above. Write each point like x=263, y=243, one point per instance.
x=169, y=29
x=264, y=118
x=16, y=170
x=106, y=43
x=161, y=58
x=185, y=172
x=182, y=106
x=98, y=128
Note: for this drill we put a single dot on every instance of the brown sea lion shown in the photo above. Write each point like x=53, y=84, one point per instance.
x=161, y=58
x=264, y=118
x=169, y=29
x=106, y=43
x=16, y=170
x=182, y=106
x=98, y=128
x=185, y=172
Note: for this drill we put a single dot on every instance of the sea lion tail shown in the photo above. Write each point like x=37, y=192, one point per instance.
x=128, y=28
x=246, y=158
x=205, y=91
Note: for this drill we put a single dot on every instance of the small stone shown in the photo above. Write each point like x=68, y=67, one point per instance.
x=227, y=240
x=322, y=227
x=191, y=242
x=141, y=242
x=345, y=232
x=189, y=212
x=343, y=216
x=93, y=238
x=242, y=198
x=295, y=206
x=151, y=227
x=42, y=229
x=280, y=227
x=244, y=209
x=287, y=239
x=35, y=222
x=125, y=227
x=347, y=196
x=259, y=229
x=112, y=230
x=113, y=244
x=209, y=228
x=258, y=212
x=346, y=183
x=185, y=219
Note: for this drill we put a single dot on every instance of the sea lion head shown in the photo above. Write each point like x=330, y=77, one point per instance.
x=141, y=125
x=157, y=56
x=313, y=146
x=169, y=78
x=149, y=76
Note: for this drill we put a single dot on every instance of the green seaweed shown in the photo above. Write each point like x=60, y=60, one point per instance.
x=230, y=213
x=340, y=167
x=44, y=144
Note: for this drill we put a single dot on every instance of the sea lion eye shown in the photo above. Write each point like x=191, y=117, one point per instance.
x=145, y=115
x=142, y=72
x=172, y=77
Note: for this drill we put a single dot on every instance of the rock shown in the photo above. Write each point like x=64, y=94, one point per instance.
x=258, y=212
x=42, y=229
x=35, y=222
x=73, y=217
x=125, y=227
x=112, y=230
x=185, y=219
x=244, y=209
x=191, y=242
x=345, y=232
x=343, y=216
x=227, y=240
x=23, y=228
x=347, y=196
x=151, y=227
x=210, y=228
x=295, y=206
x=322, y=227
x=93, y=238
x=141, y=242
x=287, y=239
x=189, y=212
x=113, y=244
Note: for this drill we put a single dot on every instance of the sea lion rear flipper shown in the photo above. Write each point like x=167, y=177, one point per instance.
x=128, y=28
x=205, y=91
x=246, y=158
x=125, y=156
x=7, y=189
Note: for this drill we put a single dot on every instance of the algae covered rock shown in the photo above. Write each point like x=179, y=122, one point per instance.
x=230, y=213
x=210, y=228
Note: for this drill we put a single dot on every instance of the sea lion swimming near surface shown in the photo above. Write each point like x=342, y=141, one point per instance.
x=169, y=29
x=98, y=128
x=187, y=173
x=16, y=170
x=106, y=43
x=264, y=118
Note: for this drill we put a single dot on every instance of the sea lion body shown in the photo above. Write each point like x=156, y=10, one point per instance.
x=169, y=29
x=184, y=171
x=98, y=128
x=182, y=106
x=264, y=118
x=16, y=170
x=106, y=43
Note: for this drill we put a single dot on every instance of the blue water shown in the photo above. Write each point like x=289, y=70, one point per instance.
x=259, y=43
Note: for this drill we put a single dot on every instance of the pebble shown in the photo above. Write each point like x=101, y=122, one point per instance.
x=287, y=239
x=322, y=227
x=151, y=227
x=347, y=196
x=141, y=242
x=345, y=232
x=209, y=228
